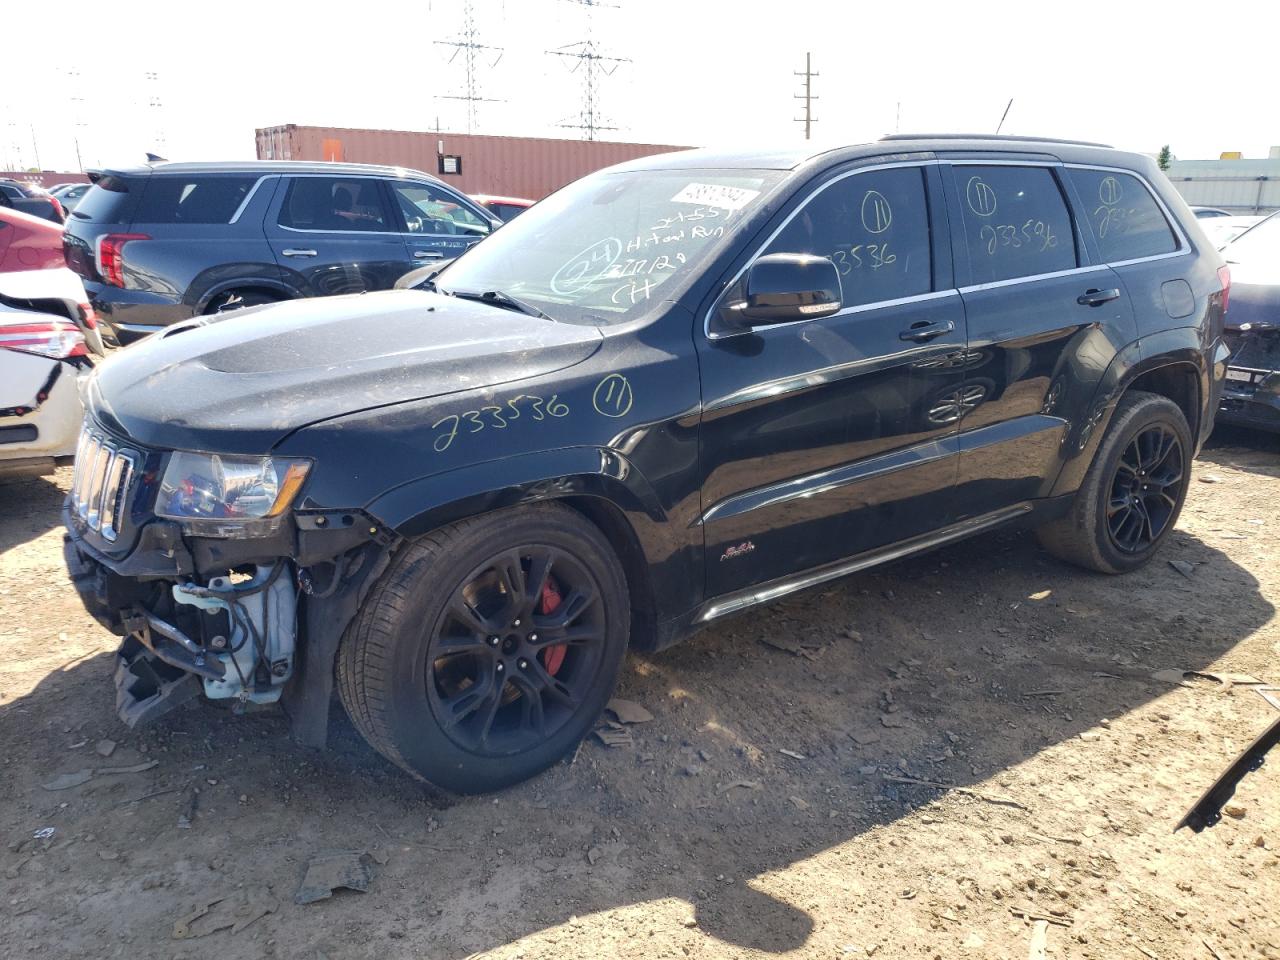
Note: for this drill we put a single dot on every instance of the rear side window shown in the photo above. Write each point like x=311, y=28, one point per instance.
x=874, y=227
x=106, y=201
x=173, y=199
x=1124, y=217
x=334, y=203
x=1015, y=221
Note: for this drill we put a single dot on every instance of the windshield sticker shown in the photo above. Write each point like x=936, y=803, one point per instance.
x=716, y=195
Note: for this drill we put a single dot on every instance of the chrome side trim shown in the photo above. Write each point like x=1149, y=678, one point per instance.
x=1014, y=281
x=764, y=593
x=831, y=479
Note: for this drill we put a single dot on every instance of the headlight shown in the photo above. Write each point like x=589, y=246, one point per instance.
x=220, y=492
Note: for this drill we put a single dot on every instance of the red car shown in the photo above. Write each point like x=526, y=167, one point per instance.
x=28, y=242
x=504, y=208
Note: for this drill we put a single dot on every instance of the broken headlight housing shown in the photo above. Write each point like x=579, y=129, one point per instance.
x=225, y=496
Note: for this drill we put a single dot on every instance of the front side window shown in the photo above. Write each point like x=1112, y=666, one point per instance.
x=1015, y=221
x=334, y=203
x=1125, y=219
x=429, y=210
x=611, y=246
x=172, y=199
x=874, y=227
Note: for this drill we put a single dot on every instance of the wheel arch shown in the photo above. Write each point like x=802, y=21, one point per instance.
x=275, y=288
x=1170, y=363
x=601, y=485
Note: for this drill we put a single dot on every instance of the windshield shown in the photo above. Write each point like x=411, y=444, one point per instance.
x=1259, y=245
x=603, y=248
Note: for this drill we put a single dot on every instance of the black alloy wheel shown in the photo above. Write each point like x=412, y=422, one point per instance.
x=514, y=654
x=1144, y=489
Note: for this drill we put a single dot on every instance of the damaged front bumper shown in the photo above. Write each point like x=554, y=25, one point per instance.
x=229, y=638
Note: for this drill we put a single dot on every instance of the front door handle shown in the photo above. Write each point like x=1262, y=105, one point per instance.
x=924, y=330
x=1096, y=298
x=294, y=252
x=428, y=255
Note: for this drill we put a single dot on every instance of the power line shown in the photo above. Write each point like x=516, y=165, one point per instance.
x=594, y=63
x=468, y=46
x=808, y=96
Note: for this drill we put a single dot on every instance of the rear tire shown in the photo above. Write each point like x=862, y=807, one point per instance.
x=1133, y=492
x=451, y=669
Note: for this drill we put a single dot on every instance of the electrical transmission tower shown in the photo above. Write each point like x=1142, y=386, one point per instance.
x=594, y=63
x=467, y=45
x=157, y=112
x=808, y=96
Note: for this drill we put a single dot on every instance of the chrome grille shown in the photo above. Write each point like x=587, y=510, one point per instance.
x=103, y=476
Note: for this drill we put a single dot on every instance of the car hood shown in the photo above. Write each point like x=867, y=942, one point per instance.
x=243, y=381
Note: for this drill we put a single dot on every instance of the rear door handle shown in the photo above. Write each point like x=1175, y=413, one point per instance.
x=428, y=255
x=1096, y=298
x=294, y=252
x=924, y=330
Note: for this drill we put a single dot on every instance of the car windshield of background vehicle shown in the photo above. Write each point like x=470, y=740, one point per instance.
x=874, y=227
x=1257, y=247
x=1015, y=221
x=1124, y=217
x=427, y=210
x=605, y=248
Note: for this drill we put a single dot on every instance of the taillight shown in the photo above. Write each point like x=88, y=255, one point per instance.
x=1224, y=277
x=110, y=256
x=58, y=208
x=55, y=339
x=88, y=316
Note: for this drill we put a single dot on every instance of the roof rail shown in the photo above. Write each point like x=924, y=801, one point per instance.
x=990, y=136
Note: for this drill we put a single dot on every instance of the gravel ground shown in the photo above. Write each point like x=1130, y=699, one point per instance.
x=768, y=808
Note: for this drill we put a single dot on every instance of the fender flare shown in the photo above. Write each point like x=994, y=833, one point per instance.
x=1180, y=346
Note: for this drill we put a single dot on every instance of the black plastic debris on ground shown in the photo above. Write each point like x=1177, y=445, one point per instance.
x=333, y=870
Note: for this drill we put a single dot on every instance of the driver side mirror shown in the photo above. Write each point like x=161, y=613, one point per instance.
x=783, y=287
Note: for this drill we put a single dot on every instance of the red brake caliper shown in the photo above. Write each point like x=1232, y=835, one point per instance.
x=552, y=657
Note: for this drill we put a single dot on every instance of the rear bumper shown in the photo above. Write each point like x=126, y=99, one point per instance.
x=1257, y=407
x=134, y=314
x=36, y=431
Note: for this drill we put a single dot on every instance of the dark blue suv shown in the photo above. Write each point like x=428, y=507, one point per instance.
x=162, y=243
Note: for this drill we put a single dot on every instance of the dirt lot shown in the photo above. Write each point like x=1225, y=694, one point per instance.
x=988, y=666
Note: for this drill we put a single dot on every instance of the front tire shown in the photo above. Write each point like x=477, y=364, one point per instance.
x=1133, y=492
x=489, y=647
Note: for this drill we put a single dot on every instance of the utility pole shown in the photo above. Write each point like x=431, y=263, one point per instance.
x=595, y=63
x=35, y=146
x=470, y=48
x=808, y=97
x=1004, y=115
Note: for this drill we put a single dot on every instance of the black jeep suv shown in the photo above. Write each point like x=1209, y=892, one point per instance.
x=676, y=389
x=165, y=242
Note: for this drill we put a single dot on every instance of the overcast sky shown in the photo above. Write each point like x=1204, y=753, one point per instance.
x=1134, y=75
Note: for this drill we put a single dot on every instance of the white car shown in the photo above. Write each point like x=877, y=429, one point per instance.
x=1222, y=230
x=43, y=358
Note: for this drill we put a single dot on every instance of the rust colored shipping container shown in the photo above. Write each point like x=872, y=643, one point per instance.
x=507, y=166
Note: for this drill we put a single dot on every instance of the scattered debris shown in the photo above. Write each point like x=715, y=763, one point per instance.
x=1224, y=680
x=135, y=768
x=1211, y=948
x=1184, y=567
x=1206, y=811
x=593, y=854
x=66, y=781
x=628, y=711
x=810, y=651
x=1027, y=913
x=745, y=784
x=892, y=722
x=239, y=910
x=335, y=869
x=1039, y=940
x=1235, y=811
x=1044, y=693
x=187, y=814
x=44, y=833
x=1046, y=836
x=799, y=803
x=1210, y=478
x=615, y=735
x=792, y=754
x=105, y=748
x=987, y=797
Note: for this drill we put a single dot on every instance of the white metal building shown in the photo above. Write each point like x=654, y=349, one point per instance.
x=1237, y=186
